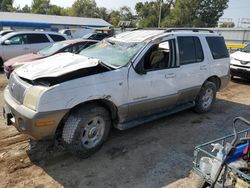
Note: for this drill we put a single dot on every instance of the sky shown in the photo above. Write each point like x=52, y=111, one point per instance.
x=237, y=8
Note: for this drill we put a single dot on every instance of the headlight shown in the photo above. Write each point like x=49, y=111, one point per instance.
x=32, y=96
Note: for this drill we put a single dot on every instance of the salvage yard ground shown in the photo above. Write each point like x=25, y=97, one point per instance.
x=157, y=154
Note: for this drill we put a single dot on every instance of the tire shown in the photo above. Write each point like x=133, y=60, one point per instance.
x=86, y=129
x=1, y=63
x=206, y=97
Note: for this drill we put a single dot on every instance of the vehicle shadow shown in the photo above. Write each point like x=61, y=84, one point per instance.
x=240, y=81
x=151, y=155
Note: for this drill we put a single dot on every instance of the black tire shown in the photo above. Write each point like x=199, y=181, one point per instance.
x=81, y=130
x=1, y=63
x=204, y=103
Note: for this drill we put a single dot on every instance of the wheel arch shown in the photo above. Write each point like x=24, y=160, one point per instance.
x=216, y=80
x=107, y=104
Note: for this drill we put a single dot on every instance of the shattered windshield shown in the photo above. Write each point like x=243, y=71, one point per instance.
x=112, y=53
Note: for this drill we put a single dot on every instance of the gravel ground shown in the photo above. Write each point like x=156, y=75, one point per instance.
x=157, y=154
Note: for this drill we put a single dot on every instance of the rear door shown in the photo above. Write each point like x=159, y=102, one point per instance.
x=37, y=41
x=194, y=67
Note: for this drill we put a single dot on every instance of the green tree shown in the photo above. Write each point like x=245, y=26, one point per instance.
x=114, y=17
x=85, y=8
x=149, y=12
x=55, y=10
x=6, y=5
x=40, y=6
x=26, y=9
x=196, y=13
x=103, y=13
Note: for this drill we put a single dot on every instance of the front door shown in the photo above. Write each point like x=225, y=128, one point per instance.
x=156, y=90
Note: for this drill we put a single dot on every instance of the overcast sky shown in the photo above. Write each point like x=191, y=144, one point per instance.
x=237, y=8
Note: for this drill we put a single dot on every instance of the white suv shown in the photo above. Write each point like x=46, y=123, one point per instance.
x=22, y=42
x=123, y=81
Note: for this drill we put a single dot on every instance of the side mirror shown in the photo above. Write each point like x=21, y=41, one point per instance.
x=139, y=69
x=7, y=42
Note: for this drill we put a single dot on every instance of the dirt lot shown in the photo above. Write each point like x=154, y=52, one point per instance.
x=156, y=154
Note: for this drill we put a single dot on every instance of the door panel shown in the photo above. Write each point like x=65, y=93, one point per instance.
x=152, y=92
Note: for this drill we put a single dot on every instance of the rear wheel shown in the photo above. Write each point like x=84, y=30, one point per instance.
x=86, y=129
x=205, y=98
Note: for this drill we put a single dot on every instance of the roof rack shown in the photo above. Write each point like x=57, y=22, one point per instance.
x=188, y=29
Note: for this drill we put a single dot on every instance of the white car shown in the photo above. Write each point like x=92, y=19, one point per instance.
x=240, y=63
x=123, y=81
x=22, y=42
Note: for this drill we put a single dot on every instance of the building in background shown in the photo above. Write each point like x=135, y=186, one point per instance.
x=25, y=21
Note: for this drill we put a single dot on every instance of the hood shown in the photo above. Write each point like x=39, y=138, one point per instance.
x=242, y=56
x=55, y=66
x=23, y=59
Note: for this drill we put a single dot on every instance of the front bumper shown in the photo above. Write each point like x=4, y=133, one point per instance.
x=28, y=121
x=240, y=71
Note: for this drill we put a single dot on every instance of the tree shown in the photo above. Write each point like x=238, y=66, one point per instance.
x=196, y=13
x=40, y=6
x=6, y=5
x=26, y=9
x=125, y=13
x=85, y=8
x=149, y=12
x=114, y=17
x=55, y=10
x=103, y=13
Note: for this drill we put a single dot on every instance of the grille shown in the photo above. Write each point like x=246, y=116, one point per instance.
x=17, y=89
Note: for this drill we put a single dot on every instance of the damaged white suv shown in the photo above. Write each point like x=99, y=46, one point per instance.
x=123, y=81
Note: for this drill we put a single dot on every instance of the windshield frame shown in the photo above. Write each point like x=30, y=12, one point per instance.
x=107, y=40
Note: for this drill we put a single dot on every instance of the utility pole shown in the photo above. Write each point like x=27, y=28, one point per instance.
x=159, y=23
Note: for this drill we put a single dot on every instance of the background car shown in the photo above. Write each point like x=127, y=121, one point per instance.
x=240, y=63
x=23, y=42
x=4, y=32
x=95, y=36
x=72, y=46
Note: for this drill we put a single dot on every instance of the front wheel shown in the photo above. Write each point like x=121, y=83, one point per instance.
x=86, y=129
x=205, y=98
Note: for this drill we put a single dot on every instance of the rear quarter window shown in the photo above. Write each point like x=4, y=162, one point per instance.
x=217, y=47
x=57, y=38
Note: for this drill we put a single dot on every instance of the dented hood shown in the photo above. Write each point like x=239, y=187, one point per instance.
x=55, y=66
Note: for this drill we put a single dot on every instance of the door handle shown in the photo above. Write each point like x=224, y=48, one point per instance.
x=203, y=67
x=170, y=75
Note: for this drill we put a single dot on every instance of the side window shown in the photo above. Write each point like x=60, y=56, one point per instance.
x=37, y=38
x=217, y=47
x=160, y=56
x=57, y=38
x=190, y=50
x=18, y=39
